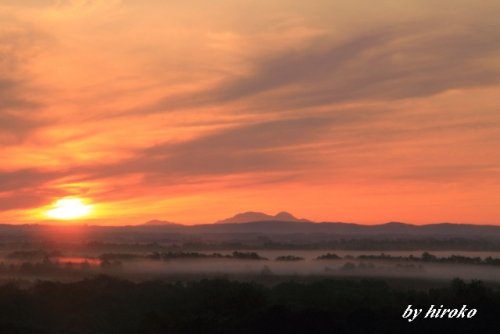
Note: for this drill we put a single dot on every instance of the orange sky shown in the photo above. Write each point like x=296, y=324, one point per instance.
x=192, y=111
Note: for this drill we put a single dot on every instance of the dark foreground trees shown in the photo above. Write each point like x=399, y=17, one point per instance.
x=108, y=305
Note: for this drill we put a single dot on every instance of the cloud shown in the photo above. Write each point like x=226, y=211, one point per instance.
x=27, y=199
x=268, y=151
x=18, y=108
x=473, y=173
x=385, y=64
x=256, y=147
x=339, y=142
x=264, y=147
x=25, y=179
x=389, y=63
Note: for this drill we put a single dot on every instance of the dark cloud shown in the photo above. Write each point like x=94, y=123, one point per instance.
x=27, y=199
x=251, y=148
x=269, y=152
x=16, y=124
x=399, y=62
x=25, y=178
x=353, y=137
x=28, y=188
x=273, y=146
x=473, y=173
x=18, y=116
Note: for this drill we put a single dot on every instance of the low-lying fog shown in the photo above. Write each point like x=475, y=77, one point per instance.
x=71, y=266
x=313, y=267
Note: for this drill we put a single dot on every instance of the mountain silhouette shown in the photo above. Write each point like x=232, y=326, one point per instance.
x=252, y=216
x=276, y=226
x=158, y=230
x=156, y=222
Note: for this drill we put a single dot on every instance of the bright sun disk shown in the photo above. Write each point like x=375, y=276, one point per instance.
x=69, y=208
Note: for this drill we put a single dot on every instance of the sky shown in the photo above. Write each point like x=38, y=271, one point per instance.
x=192, y=111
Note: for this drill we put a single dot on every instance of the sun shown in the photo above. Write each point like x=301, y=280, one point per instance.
x=69, y=208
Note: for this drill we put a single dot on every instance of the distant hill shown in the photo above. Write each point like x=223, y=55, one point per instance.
x=348, y=229
x=304, y=231
x=156, y=222
x=251, y=216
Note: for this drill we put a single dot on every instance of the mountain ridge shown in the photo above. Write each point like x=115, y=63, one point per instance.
x=157, y=222
x=252, y=230
x=254, y=216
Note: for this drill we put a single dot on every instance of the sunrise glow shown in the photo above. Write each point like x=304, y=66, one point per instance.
x=192, y=111
x=69, y=209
